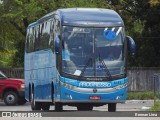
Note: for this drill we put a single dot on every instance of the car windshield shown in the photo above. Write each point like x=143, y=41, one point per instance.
x=91, y=52
x=2, y=75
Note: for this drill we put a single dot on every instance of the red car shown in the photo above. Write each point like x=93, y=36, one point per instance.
x=12, y=90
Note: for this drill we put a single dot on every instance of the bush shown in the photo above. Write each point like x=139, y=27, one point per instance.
x=140, y=95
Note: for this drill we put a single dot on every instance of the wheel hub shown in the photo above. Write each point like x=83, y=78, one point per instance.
x=10, y=98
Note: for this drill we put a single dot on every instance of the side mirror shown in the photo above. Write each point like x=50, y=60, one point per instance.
x=57, y=45
x=132, y=45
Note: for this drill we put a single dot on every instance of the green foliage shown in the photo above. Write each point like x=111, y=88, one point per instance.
x=15, y=17
x=141, y=18
x=156, y=106
x=140, y=96
x=154, y=2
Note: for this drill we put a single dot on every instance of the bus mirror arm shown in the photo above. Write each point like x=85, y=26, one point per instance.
x=132, y=45
x=57, y=45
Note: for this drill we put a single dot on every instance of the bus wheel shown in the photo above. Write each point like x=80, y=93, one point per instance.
x=58, y=106
x=84, y=107
x=35, y=105
x=112, y=107
x=45, y=106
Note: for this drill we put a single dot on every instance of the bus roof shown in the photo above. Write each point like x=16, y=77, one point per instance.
x=89, y=17
x=32, y=24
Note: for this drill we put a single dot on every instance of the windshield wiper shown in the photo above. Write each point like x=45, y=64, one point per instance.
x=86, y=65
x=102, y=62
x=105, y=66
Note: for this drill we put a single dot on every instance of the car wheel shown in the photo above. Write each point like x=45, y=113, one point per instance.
x=10, y=98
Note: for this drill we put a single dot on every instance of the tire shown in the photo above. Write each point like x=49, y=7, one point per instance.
x=10, y=98
x=112, y=107
x=21, y=101
x=45, y=106
x=84, y=107
x=58, y=106
x=35, y=105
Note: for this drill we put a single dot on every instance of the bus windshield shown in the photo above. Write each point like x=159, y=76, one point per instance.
x=90, y=52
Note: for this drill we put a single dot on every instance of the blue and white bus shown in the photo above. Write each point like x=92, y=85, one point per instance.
x=77, y=57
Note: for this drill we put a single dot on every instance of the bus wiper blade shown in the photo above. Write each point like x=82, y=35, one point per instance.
x=86, y=65
x=106, y=68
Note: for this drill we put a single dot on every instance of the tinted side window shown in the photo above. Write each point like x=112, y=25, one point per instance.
x=41, y=36
x=30, y=40
x=45, y=35
x=27, y=41
x=51, y=41
x=36, y=43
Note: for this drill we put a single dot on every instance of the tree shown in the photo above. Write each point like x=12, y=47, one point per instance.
x=142, y=22
x=141, y=18
x=15, y=17
x=18, y=14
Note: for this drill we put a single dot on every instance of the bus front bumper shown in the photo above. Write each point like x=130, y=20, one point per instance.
x=71, y=96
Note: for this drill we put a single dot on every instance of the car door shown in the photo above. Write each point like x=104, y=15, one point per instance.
x=2, y=82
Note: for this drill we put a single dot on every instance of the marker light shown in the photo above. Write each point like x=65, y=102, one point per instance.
x=69, y=96
x=119, y=97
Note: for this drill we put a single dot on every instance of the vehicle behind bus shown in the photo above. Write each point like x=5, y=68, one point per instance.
x=77, y=57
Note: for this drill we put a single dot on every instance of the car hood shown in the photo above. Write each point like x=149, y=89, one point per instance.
x=16, y=80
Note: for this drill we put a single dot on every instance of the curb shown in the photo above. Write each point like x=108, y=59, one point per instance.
x=140, y=101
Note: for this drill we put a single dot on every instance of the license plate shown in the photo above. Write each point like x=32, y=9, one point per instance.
x=94, y=97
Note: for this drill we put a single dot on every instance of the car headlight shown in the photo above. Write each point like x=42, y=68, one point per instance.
x=22, y=86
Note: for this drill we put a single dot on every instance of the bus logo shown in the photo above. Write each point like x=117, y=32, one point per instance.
x=95, y=84
x=109, y=35
x=94, y=90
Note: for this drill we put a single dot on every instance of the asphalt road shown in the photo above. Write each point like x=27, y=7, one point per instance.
x=133, y=105
x=71, y=113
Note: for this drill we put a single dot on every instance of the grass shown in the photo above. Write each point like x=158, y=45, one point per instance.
x=145, y=96
x=156, y=106
x=140, y=96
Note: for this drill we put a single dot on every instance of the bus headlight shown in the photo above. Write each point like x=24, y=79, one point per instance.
x=67, y=85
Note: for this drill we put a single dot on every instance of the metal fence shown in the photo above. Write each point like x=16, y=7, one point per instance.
x=13, y=72
x=141, y=79
x=156, y=80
